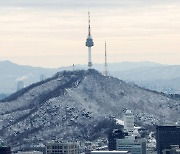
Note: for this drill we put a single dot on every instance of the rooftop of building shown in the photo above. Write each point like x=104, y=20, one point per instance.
x=128, y=111
x=60, y=142
x=168, y=126
x=115, y=152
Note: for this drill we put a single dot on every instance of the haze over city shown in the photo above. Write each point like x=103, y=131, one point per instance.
x=52, y=33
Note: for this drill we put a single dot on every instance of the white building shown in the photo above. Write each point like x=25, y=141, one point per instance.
x=55, y=147
x=129, y=143
x=129, y=121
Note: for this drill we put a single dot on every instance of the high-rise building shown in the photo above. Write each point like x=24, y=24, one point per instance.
x=56, y=147
x=89, y=43
x=129, y=121
x=167, y=136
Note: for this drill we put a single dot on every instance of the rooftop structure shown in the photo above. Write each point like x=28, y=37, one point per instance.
x=29, y=152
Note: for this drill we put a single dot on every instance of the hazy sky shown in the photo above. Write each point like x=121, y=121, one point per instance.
x=52, y=33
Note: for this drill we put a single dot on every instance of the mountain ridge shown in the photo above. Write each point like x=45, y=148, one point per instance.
x=72, y=103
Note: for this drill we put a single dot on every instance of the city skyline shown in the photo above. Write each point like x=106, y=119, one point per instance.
x=53, y=33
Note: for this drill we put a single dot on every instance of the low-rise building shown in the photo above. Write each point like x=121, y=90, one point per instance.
x=129, y=143
x=56, y=147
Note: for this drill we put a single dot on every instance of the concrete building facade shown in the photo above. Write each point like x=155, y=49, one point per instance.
x=128, y=121
x=62, y=148
x=129, y=143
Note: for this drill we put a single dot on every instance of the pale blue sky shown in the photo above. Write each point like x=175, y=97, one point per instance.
x=52, y=33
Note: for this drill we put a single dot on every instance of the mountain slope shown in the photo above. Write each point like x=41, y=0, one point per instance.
x=71, y=104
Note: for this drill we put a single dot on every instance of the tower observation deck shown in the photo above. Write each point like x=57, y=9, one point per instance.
x=89, y=43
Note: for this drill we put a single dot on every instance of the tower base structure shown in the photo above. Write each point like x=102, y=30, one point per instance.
x=106, y=73
x=89, y=64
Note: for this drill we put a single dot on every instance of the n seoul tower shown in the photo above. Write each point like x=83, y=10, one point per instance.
x=89, y=43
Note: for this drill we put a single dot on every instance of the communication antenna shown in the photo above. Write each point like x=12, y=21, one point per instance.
x=106, y=72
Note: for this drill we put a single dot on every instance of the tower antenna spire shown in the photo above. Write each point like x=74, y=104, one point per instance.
x=89, y=42
x=89, y=28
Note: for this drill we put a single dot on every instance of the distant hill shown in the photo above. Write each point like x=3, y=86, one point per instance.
x=154, y=76
x=159, y=78
x=11, y=73
x=77, y=105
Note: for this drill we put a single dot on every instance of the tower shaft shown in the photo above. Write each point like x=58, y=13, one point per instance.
x=89, y=42
x=89, y=57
